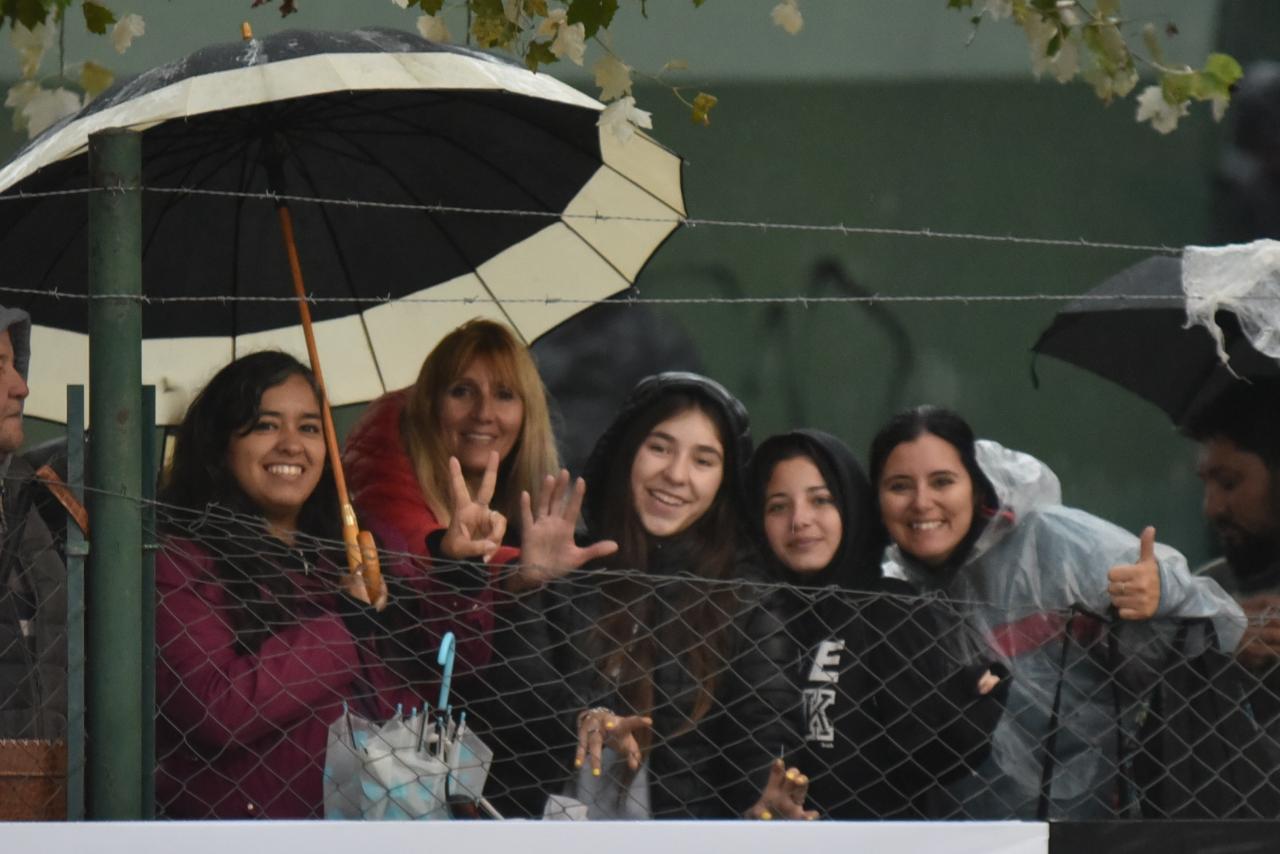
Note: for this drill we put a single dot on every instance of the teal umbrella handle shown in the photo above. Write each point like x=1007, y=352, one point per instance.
x=448, y=646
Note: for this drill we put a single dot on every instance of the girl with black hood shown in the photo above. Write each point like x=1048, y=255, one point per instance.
x=889, y=705
x=684, y=661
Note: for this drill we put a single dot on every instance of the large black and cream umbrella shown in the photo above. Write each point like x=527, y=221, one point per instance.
x=453, y=185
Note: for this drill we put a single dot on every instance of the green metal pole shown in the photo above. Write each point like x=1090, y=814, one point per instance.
x=77, y=549
x=114, y=583
x=149, y=548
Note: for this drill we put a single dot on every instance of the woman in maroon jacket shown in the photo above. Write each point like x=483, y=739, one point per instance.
x=260, y=636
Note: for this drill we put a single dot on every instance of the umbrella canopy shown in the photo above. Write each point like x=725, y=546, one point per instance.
x=1132, y=330
x=379, y=124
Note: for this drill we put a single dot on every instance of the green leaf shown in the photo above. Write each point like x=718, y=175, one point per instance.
x=539, y=53
x=697, y=3
x=959, y=4
x=594, y=15
x=1178, y=87
x=430, y=7
x=97, y=18
x=1224, y=68
x=95, y=78
x=27, y=12
x=699, y=111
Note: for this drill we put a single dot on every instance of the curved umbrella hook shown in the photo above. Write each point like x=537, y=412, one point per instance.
x=448, y=651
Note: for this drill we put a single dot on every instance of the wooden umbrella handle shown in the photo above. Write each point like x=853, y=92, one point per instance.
x=362, y=553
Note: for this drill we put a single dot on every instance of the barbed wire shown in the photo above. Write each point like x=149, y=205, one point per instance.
x=840, y=228
x=620, y=301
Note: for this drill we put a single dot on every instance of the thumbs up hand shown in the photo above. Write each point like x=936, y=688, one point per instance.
x=1134, y=588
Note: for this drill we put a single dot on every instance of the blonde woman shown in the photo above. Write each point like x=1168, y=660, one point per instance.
x=462, y=467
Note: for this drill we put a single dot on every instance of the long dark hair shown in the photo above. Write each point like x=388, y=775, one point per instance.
x=949, y=426
x=207, y=503
x=709, y=548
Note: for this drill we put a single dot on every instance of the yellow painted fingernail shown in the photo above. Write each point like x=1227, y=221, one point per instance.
x=610, y=724
x=766, y=816
x=595, y=772
x=577, y=763
x=810, y=817
x=791, y=774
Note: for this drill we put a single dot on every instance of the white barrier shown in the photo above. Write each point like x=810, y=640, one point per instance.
x=524, y=837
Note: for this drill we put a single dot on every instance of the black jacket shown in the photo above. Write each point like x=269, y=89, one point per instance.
x=716, y=767
x=33, y=613
x=890, y=707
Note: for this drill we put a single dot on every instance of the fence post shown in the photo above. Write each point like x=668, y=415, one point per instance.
x=148, y=653
x=77, y=548
x=114, y=582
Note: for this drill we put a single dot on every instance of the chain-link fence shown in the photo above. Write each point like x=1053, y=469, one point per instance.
x=33, y=649
x=278, y=695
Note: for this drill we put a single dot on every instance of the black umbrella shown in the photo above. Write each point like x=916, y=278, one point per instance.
x=1131, y=330
x=378, y=125
x=379, y=117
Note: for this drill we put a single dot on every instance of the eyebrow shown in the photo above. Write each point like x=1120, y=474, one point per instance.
x=706, y=449
x=306, y=416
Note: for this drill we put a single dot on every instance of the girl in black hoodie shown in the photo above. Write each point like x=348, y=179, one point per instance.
x=682, y=668
x=889, y=704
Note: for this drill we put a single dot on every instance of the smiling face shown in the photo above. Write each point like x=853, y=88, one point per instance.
x=279, y=461
x=801, y=520
x=926, y=498
x=677, y=472
x=13, y=391
x=480, y=413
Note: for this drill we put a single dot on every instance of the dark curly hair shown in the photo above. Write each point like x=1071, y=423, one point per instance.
x=207, y=503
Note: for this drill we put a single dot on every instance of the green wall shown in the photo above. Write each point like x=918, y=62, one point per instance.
x=993, y=156
x=987, y=157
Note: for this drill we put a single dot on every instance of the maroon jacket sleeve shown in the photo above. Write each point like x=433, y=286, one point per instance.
x=210, y=689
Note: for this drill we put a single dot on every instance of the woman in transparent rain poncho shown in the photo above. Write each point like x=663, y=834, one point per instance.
x=1044, y=584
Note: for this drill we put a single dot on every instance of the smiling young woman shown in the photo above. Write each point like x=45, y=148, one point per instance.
x=675, y=663
x=260, y=636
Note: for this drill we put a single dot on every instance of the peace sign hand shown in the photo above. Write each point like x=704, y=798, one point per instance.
x=474, y=530
x=547, y=547
x=1135, y=588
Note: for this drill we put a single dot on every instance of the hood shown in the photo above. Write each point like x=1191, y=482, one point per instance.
x=18, y=324
x=856, y=564
x=1021, y=482
x=647, y=392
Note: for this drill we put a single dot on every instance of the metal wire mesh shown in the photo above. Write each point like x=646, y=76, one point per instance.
x=268, y=675
x=33, y=653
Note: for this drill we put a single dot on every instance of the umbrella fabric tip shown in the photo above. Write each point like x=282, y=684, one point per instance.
x=246, y=31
